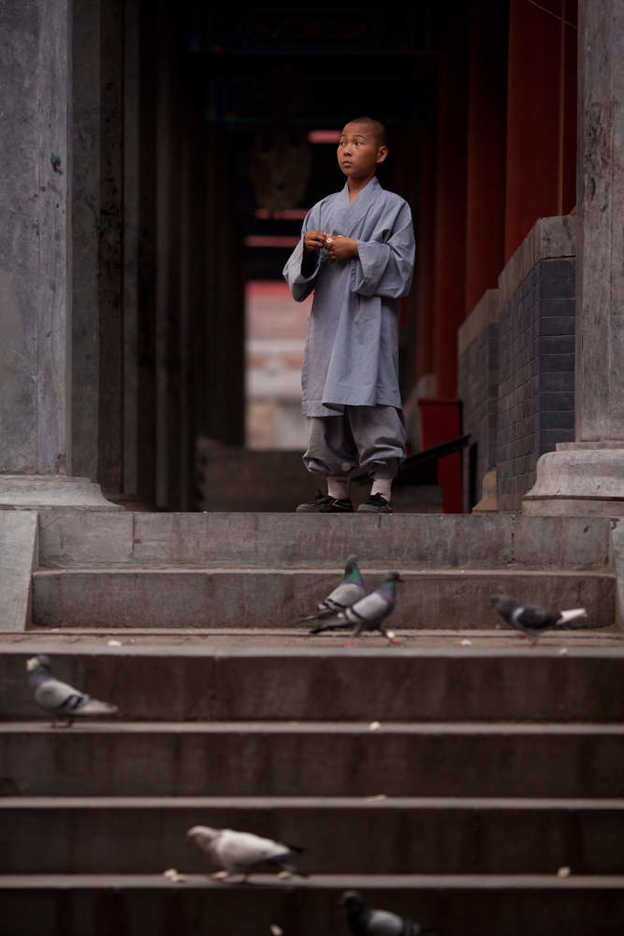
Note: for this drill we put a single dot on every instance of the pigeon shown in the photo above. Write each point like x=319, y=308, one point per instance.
x=533, y=620
x=60, y=699
x=368, y=613
x=364, y=921
x=350, y=590
x=242, y=852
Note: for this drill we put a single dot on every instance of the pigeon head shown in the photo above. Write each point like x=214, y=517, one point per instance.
x=352, y=573
x=202, y=833
x=504, y=605
x=38, y=662
x=352, y=900
x=389, y=579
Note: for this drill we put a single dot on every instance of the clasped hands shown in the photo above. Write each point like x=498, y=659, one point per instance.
x=337, y=246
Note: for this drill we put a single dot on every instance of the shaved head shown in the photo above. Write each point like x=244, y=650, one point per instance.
x=375, y=126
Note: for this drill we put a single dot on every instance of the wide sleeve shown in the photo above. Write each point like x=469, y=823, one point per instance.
x=301, y=269
x=386, y=269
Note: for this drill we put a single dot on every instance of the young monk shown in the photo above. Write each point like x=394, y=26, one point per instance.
x=357, y=254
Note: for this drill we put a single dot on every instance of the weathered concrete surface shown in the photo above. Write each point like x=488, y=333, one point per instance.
x=600, y=282
x=341, y=835
x=70, y=539
x=451, y=683
x=35, y=233
x=18, y=558
x=86, y=225
x=53, y=490
x=578, y=481
x=617, y=546
x=471, y=905
x=278, y=597
x=587, y=482
x=312, y=759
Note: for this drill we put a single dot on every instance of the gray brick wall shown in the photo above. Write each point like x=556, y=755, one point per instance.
x=478, y=391
x=536, y=375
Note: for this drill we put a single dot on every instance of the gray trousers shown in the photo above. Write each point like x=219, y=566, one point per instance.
x=371, y=437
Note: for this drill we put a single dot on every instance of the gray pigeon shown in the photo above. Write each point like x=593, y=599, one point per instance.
x=350, y=590
x=242, y=852
x=368, y=613
x=364, y=921
x=60, y=699
x=533, y=620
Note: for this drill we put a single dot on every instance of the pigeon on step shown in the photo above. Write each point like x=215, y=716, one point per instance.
x=364, y=921
x=60, y=699
x=242, y=852
x=350, y=590
x=533, y=620
x=368, y=613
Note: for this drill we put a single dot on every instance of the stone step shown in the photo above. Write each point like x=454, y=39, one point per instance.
x=312, y=759
x=340, y=835
x=255, y=597
x=148, y=905
x=72, y=538
x=218, y=680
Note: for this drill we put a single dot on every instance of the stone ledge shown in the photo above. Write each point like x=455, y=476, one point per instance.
x=40, y=491
x=548, y=239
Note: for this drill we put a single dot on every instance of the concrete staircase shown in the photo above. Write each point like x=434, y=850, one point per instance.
x=263, y=570
x=448, y=778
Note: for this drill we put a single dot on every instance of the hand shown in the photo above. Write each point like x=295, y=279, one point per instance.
x=314, y=240
x=341, y=248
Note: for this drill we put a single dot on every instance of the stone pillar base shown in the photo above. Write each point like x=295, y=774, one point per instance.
x=35, y=491
x=580, y=479
x=489, y=499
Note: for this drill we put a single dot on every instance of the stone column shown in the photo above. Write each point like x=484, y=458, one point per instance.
x=586, y=477
x=35, y=258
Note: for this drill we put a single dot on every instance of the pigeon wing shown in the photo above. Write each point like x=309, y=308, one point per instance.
x=343, y=596
x=56, y=696
x=384, y=923
x=534, y=618
x=237, y=851
x=372, y=607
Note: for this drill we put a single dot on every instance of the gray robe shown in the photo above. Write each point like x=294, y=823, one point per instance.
x=351, y=353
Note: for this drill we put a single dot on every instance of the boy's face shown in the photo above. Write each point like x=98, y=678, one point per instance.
x=359, y=151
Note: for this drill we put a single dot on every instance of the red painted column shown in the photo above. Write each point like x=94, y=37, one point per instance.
x=450, y=213
x=570, y=91
x=425, y=254
x=540, y=115
x=407, y=180
x=440, y=417
x=487, y=128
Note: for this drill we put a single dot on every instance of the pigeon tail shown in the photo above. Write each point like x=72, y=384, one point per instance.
x=573, y=614
x=335, y=625
x=297, y=849
x=95, y=707
x=325, y=613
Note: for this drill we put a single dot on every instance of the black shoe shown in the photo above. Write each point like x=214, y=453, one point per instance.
x=375, y=503
x=323, y=503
